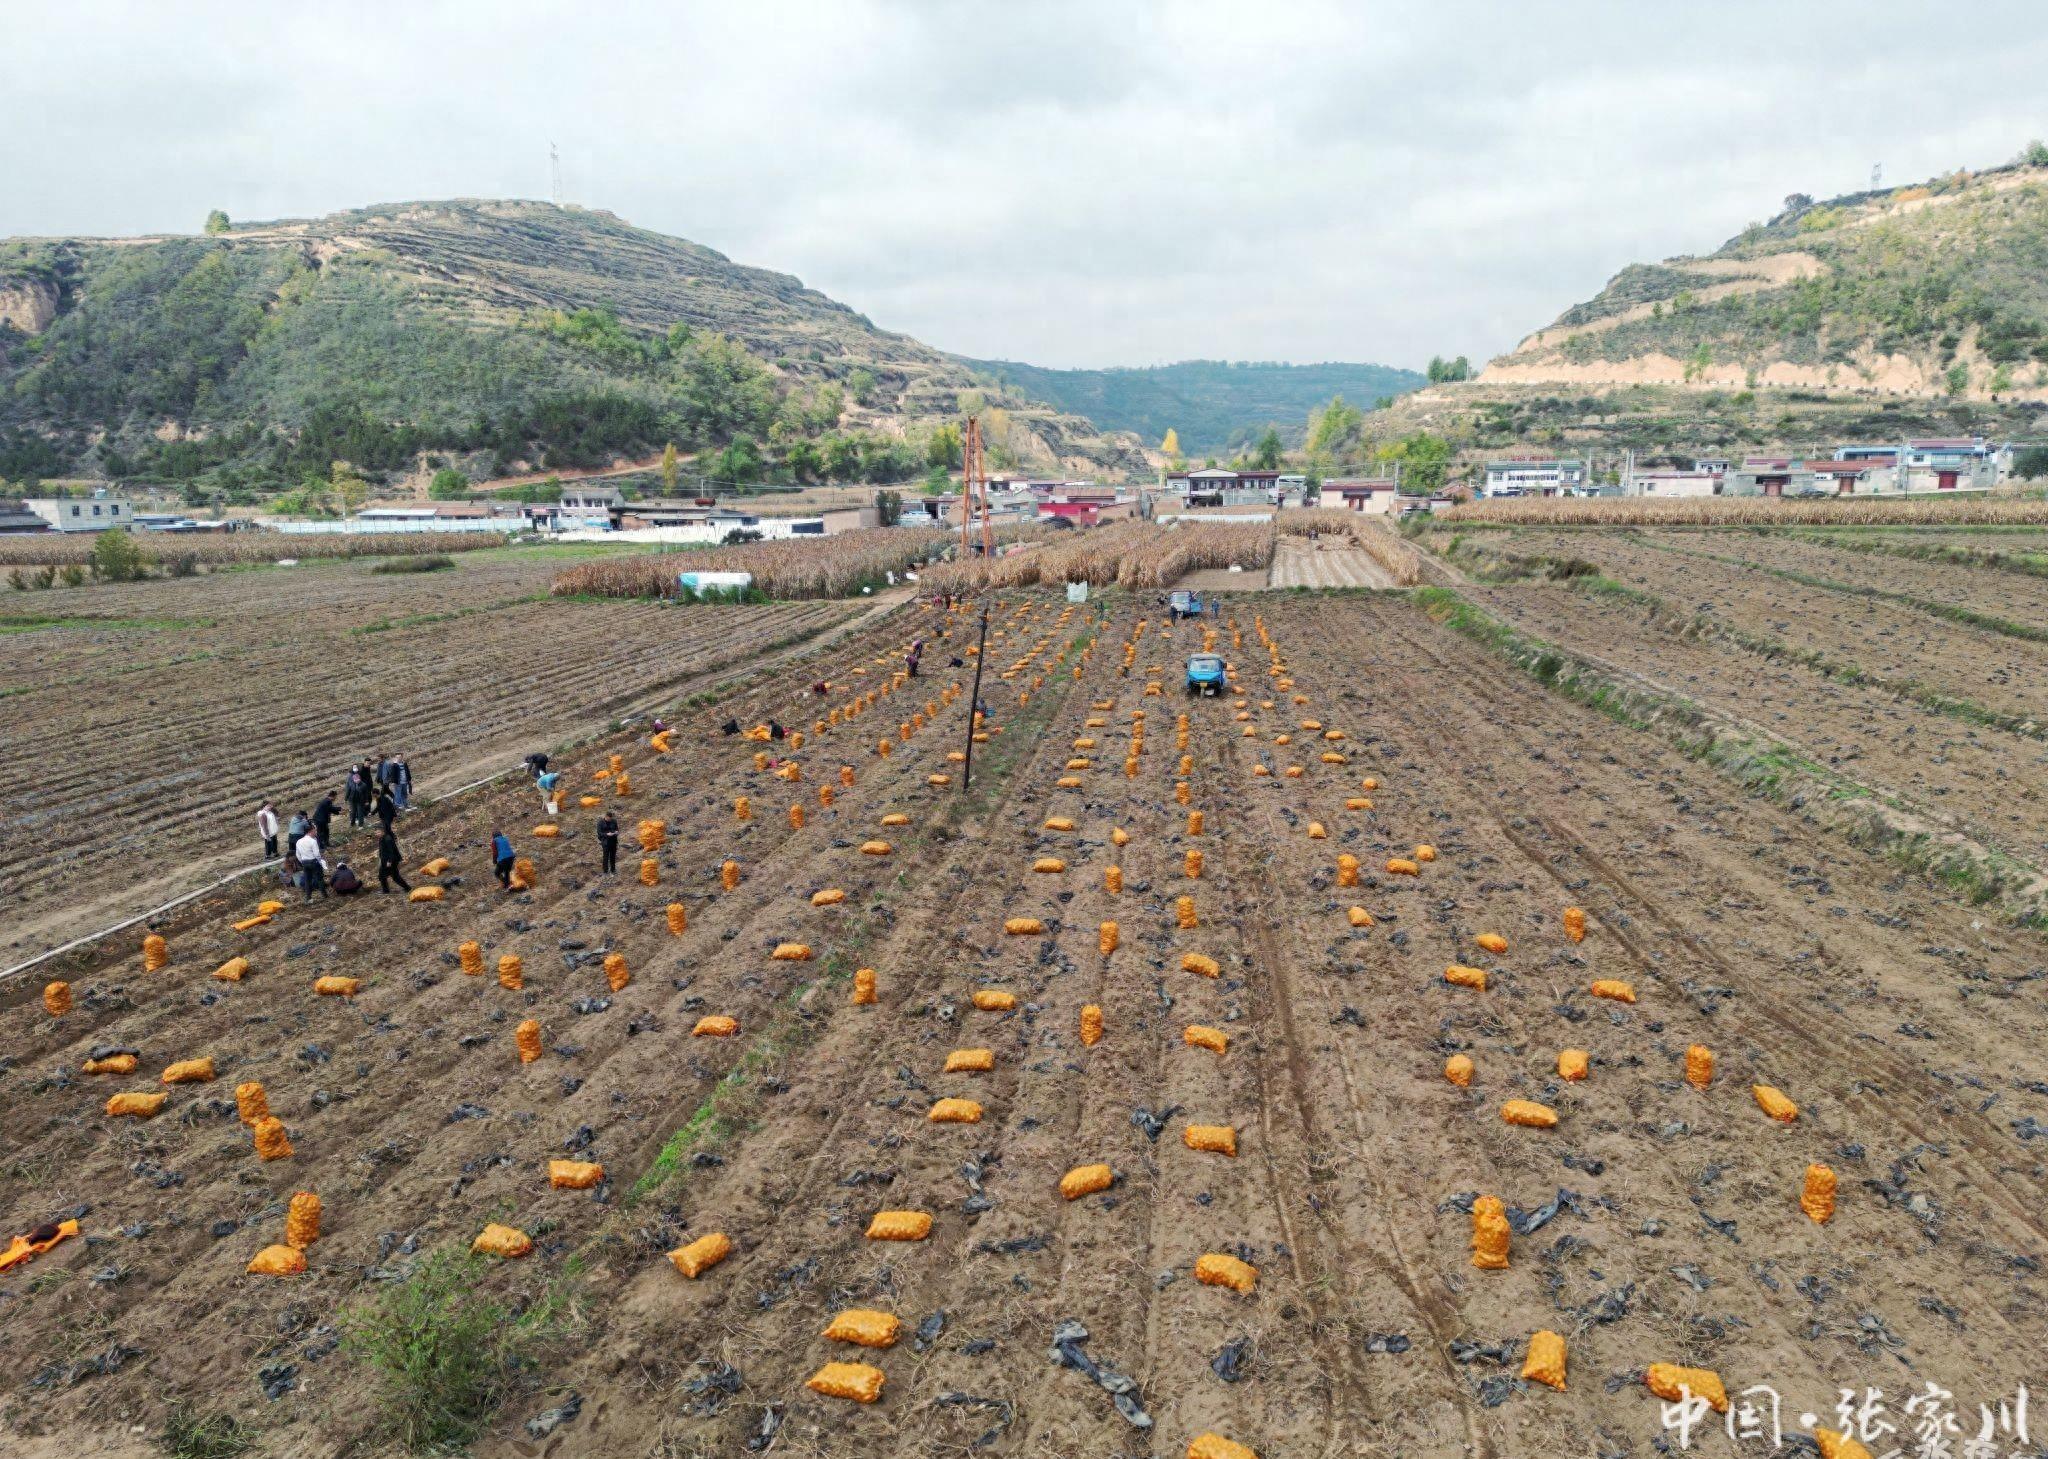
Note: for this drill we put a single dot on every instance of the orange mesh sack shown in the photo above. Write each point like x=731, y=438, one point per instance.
x=900, y=1226
x=1048, y=865
x=136, y=1106
x=1085, y=1180
x=728, y=874
x=1575, y=924
x=1699, y=1066
x=1358, y=917
x=1489, y=1234
x=435, y=867
x=715, y=1026
x=615, y=975
x=1613, y=988
x=1425, y=853
x=574, y=1175
x=333, y=986
x=861, y=1382
x=1192, y=862
x=527, y=1037
x=1316, y=831
x=864, y=986
x=1399, y=866
x=1215, y=1446
x=1669, y=1381
x=678, y=919
x=1774, y=1103
x=650, y=872
x=249, y=924
x=1817, y=1198
x=472, y=956
x=251, y=1103
x=1572, y=1064
x=156, y=953
x=426, y=894
x=955, y=1112
x=1184, y=912
x=1466, y=977
x=701, y=1255
x=1113, y=879
x=511, y=972
x=524, y=877
x=56, y=999
x=791, y=952
x=864, y=1327
x=1091, y=1025
x=994, y=1000
x=233, y=970
x=111, y=1064
x=1528, y=1112
x=272, y=1143
x=1201, y=963
x=1107, y=937
x=1023, y=926
x=1216, y=1139
x=828, y=896
x=1458, y=1069
x=1347, y=870
x=505, y=1241
x=1492, y=942
x=1214, y=1269
x=970, y=1061
x=1545, y=1361
x=875, y=848
x=278, y=1261
x=1201, y=1036
x=302, y=1221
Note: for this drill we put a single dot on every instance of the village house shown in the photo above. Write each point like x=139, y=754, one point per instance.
x=1378, y=495
x=1535, y=476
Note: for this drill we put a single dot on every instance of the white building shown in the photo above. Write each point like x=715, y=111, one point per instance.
x=97, y=515
x=1379, y=495
x=1673, y=483
x=1535, y=476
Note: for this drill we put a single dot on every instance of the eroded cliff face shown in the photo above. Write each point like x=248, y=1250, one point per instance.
x=28, y=304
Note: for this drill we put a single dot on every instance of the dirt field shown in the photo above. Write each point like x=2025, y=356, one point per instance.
x=1657, y=1222
x=147, y=721
x=1330, y=562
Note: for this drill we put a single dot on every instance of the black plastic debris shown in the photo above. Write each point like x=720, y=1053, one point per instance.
x=764, y=1432
x=928, y=1330
x=1526, y=1223
x=548, y=1420
x=1231, y=1359
x=278, y=1380
x=1121, y=1388
x=712, y=1390
x=1387, y=1342
x=1153, y=1122
x=1006, y=1414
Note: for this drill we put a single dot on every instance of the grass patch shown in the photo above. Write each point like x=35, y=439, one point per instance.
x=32, y=622
x=189, y=1434
x=444, y=1353
x=425, y=562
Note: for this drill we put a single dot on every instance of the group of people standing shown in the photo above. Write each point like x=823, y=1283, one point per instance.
x=381, y=789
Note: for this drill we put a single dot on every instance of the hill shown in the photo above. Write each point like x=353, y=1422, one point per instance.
x=502, y=333
x=1214, y=405
x=1919, y=310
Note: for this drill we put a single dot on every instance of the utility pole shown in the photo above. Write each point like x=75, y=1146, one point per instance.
x=554, y=175
x=973, y=473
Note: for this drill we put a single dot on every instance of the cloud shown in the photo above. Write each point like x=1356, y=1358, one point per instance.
x=1065, y=182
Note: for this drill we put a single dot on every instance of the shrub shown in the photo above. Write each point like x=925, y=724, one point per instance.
x=117, y=558
x=442, y=1351
x=188, y=1434
x=432, y=562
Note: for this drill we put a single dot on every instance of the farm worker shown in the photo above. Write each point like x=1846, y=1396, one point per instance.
x=536, y=765
x=323, y=818
x=501, y=856
x=549, y=779
x=404, y=786
x=387, y=771
x=266, y=827
x=916, y=652
x=346, y=883
x=387, y=809
x=311, y=867
x=298, y=827
x=608, y=840
x=775, y=730
x=357, y=794
x=387, y=862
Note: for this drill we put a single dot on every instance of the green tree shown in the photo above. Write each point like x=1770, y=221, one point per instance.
x=1170, y=447
x=668, y=469
x=936, y=482
x=116, y=558
x=217, y=222
x=348, y=490
x=889, y=507
x=860, y=384
x=1699, y=362
x=739, y=464
x=804, y=461
x=2030, y=463
x=448, y=485
x=1266, y=455
x=945, y=447
x=1333, y=427
x=842, y=458
x=1957, y=378
x=2036, y=154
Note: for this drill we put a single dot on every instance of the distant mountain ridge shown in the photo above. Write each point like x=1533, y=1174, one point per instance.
x=1213, y=405
x=517, y=331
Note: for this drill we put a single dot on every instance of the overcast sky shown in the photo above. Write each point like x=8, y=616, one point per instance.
x=1087, y=183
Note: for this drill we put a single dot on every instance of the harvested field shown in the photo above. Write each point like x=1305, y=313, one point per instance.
x=1656, y=1222
x=240, y=548
x=195, y=700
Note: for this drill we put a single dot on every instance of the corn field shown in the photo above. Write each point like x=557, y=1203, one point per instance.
x=1373, y=536
x=64, y=549
x=1130, y=554
x=1754, y=511
x=818, y=567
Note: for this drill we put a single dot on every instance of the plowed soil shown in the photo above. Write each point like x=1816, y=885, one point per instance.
x=148, y=721
x=1657, y=1222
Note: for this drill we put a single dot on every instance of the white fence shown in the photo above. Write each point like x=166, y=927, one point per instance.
x=705, y=534
x=353, y=527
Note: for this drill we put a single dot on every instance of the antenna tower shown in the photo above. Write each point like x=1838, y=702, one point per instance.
x=554, y=175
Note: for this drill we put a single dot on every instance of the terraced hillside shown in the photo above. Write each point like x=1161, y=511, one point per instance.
x=540, y=334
